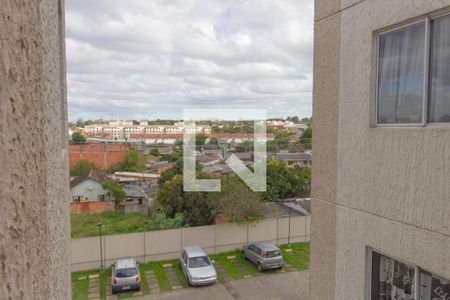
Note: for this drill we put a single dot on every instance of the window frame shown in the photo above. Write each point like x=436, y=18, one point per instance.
x=368, y=276
x=426, y=76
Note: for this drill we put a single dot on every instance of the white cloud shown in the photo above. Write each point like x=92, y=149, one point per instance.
x=145, y=59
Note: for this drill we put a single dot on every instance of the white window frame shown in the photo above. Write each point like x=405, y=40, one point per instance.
x=427, y=57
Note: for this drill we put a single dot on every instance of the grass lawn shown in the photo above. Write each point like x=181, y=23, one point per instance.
x=84, y=225
x=80, y=281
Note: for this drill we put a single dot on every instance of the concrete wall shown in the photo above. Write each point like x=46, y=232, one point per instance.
x=34, y=220
x=324, y=167
x=167, y=244
x=385, y=188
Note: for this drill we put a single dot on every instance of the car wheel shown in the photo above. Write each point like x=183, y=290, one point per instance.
x=260, y=268
x=244, y=256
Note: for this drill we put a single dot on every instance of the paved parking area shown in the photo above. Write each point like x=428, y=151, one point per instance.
x=282, y=286
x=238, y=278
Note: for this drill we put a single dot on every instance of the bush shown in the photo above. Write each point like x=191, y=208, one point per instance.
x=155, y=152
x=82, y=168
x=134, y=162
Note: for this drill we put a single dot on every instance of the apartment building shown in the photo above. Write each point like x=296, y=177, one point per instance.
x=381, y=211
x=119, y=130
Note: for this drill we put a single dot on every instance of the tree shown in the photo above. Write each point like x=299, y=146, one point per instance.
x=213, y=141
x=114, y=190
x=279, y=180
x=197, y=207
x=134, y=162
x=306, y=137
x=237, y=202
x=302, y=180
x=77, y=139
x=245, y=146
x=82, y=168
x=170, y=196
x=155, y=152
x=200, y=139
x=283, y=182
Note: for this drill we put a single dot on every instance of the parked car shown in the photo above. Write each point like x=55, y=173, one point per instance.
x=197, y=267
x=263, y=255
x=125, y=275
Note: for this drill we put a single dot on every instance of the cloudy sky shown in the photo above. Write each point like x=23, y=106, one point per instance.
x=147, y=59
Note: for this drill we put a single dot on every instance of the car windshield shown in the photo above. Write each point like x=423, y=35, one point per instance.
x=129, y=272
x=198, y=262
x=274, y=253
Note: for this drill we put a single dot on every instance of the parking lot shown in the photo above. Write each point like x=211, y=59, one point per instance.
x=238, y=279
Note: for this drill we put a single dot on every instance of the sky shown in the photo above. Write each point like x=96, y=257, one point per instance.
x=149, y=59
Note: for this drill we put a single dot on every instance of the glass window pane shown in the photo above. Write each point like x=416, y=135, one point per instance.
x=439, y=97
x=433, y=287
x=391, y=279
x=401, y=75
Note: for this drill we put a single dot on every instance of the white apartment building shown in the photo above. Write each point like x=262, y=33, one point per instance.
x=123, y=130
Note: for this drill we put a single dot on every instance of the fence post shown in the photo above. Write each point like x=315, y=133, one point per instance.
x=145, y=250
x=247, y=233
x=215, y=238
x=181, y=235
x=277, y=232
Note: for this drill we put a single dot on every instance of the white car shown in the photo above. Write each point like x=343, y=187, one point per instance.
x=197, y=267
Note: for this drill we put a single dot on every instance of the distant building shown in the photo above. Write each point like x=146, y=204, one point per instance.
x=293, y=159
x=160, y=166
x=119, y=130
x=88, y=188
x=135, y=176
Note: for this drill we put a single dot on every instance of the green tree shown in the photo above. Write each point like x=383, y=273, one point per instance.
x=155, y=152
x=237, y=202
x=114, y=190
x=279, y=180
x=82, y=168
x=200, y=139
x=77, y=139
x=213, y=141
x=306, y=137
x=197, y=207
x=134, y=162
x=302, y=181
x=245, y=146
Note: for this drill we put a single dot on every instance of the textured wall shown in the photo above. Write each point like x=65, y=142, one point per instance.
x=324, y=168
x=390, y=184
x=34, y=215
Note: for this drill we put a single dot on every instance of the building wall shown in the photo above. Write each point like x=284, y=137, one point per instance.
x=34, y=184
x=386, y=188
x=103, y=156
x=89, y=189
